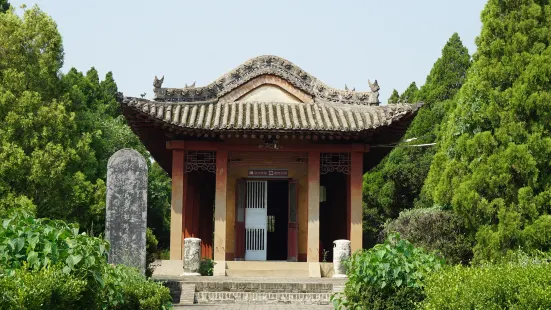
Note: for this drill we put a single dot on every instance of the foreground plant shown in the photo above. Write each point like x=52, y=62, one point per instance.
x=48, y=264
x=388, y=276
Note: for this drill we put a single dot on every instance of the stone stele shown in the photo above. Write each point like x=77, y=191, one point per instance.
x=192, y=256
x=126, y=209
x=341, y=252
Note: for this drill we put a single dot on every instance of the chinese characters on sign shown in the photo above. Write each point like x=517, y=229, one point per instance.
x=268, y=173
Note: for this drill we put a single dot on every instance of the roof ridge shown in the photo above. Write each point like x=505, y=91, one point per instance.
x=265, y=65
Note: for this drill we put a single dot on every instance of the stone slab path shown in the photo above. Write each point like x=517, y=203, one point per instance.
x=254, y=307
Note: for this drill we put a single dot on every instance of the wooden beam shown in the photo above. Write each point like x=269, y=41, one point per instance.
x=222, y=146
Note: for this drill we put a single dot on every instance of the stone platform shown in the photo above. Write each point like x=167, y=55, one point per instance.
x=248, y=290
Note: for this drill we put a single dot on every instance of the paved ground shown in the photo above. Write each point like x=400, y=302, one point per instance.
x=255, y=307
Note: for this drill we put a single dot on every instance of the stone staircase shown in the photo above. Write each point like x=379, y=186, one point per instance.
x=267, y=269
x=226, y=290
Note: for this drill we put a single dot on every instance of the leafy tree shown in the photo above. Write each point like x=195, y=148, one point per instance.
x=4, y=6
x=394, y=98
x=57, y=131
x=395, y=184
x=492, y=166
x=410, y=94
x=158, y=212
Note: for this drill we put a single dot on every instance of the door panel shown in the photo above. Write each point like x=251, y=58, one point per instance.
x=256, y=220
x=292, y=231
x=241, y=195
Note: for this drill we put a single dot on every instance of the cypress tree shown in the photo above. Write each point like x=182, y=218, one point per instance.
x=4, y=6
x=492, y=166
x=394, y=98
x=410, y=94
x=395, y=184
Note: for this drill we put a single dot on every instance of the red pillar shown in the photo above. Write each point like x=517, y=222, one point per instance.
x=313, y=206
x=176, y=215
x=355, y=219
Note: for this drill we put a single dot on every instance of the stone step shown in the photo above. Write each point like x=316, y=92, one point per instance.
x=266, y=265
x=262, y=298
x=264, y=287
x=268, y=273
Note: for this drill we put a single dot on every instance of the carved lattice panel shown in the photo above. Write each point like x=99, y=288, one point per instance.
x=200, y=160
x=335, y=162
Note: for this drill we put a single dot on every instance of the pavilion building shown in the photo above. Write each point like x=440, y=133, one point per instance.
x=266, y=161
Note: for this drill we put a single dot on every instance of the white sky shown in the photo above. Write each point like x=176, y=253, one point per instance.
x=339, y=42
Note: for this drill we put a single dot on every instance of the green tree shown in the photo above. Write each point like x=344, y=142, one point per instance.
x=57, y=131
x=492, y=166
x=395, y=184
x=4, y=6
x=394, y=98
x=410, y=94
x=158, y=202
x=42, y=158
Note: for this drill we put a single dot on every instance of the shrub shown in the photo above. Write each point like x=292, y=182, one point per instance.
x=151, y=252
x=206, y=267
x=388, y=276
x=434, y=230
x=47, y=264
x=136, y=292
x=48, y=288
x=501, y=286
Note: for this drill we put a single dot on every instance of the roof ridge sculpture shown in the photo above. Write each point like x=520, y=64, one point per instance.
x=266, y=65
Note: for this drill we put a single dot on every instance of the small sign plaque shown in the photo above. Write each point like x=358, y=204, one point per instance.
x=268, y=173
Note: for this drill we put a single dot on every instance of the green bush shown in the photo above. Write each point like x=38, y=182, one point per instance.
x=388, y=276
x=501, y=286
x=206, y=267
x=48, y=288
x=47, y=264
x=151, y=251
x=434, y=229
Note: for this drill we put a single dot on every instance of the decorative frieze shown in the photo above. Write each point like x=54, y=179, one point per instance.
x=200, y=160
x=335, y=162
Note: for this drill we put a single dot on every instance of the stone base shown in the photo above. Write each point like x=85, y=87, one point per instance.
x=219, y=268
x=190, y=274
x=327, y=270
x=168, y=267
x=314, y=270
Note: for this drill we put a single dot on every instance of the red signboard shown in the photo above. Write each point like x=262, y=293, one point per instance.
x=268, y=173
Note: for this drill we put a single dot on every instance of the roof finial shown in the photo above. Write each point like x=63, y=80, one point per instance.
x=158, y=83
x=190, y=86
x=374, y=96
x=143, y=95
x=345, y=87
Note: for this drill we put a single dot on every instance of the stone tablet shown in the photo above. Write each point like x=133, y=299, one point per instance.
x=126, y=209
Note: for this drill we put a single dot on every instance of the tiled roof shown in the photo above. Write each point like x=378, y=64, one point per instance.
x=318, y=116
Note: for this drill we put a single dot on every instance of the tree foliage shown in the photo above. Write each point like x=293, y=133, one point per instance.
x=492, y=166
x=4, y=6
x=410, y=94
x=57, y=131
x=394, y=97
x=395, y=184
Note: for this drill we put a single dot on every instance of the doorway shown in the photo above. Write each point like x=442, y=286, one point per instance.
x=278, y=219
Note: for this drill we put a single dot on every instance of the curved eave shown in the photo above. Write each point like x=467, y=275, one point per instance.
x=154, y=129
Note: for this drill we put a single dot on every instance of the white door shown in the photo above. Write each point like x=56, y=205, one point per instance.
x=256, y=213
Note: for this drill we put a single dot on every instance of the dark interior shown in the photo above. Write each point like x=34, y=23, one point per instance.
x=278, y=204
x=332, y=212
